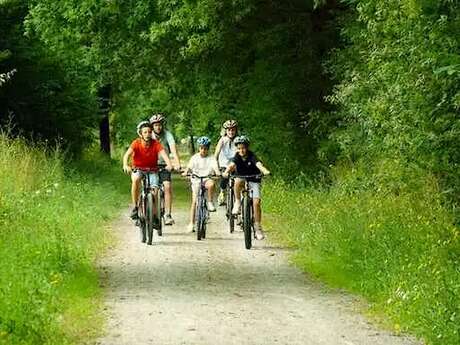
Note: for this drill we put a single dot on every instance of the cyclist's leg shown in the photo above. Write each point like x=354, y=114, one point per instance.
x=209, y=184
x=223, y=187
x=154, y=183
x=195, y=190
x=254, y=188
x=136, y=178
x=238, y=187
x=166, y=179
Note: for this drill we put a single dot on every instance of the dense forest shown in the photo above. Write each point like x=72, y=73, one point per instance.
x=360, y=95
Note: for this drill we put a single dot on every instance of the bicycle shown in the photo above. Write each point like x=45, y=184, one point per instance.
x=202, y=212
x=161, y=199
x=230, y=199
x=146, y=203
x=247, y=215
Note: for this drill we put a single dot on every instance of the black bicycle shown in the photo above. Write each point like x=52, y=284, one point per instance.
x=230, y=199
x=247, y=214
x=161, y=199
x=149, y=211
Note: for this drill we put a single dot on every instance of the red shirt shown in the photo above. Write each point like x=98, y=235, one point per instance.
x=146, y=157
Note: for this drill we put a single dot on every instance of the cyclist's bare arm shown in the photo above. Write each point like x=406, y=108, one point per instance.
x=215, y=167
x=176, y=156
x=126, y=167
x=231, y=167
x=217, y=150
x=165, y=157
x=262, y=169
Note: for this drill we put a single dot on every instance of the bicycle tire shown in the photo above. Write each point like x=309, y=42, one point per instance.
x=230, y=216
x=141, y=218
x=149, y=217
x=204, y=218
x=198, y=218
x=159, y=213
x=246, y=214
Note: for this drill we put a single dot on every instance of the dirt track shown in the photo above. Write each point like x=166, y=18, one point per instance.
x=181, y=291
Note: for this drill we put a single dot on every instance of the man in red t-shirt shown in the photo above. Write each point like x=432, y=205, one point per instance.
x=144, y=151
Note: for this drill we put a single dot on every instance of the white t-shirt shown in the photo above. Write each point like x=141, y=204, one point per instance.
x=227, y=151
x=202, y=166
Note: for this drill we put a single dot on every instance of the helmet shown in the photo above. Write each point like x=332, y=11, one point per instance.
x=242, y=139
x=203, y=141
x=230, y=124
x=141, y=125
x=157, y=117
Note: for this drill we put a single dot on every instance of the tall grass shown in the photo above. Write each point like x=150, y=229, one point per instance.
x=52, y=225
x=382, y=232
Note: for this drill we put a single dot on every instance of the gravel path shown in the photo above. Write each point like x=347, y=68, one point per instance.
x=182, y=291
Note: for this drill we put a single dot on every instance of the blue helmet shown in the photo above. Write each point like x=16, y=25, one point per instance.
x=203, y=141
x=242, y=139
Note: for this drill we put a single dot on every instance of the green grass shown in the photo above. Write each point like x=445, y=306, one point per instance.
x=53, y=225
x=383, y=233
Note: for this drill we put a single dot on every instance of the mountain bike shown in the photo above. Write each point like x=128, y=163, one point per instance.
x=148, y=208
x=247, y=214
x=202, y=212
x=230, y=198
x=161, y=201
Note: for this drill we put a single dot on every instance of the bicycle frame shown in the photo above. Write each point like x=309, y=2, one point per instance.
x=247, y=212
x=146, y=206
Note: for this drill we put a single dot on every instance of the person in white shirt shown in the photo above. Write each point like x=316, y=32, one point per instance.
x=225, y=151
x=201, y=164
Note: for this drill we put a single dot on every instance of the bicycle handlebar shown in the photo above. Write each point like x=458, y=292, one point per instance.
x=248, y=176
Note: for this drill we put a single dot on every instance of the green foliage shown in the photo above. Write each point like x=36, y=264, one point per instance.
x=398, y=85
x=202, y=62
x=388, y=238
x=41, y=96
x=51, y=228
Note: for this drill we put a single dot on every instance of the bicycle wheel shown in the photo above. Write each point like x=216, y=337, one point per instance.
x=141, y=220
x=247, y=226
x=198, y=218
x=230, y=216
x=159, y=210
x=204, y=218
x=149, y=217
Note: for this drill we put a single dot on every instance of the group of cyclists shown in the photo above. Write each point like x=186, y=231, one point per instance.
x=155, y=151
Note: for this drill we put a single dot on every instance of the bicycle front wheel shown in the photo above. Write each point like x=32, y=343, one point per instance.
x=230, y=216
x=200, y=217
x=247, y=224
x=141, y=219
x=159, y=209
x=149, y=217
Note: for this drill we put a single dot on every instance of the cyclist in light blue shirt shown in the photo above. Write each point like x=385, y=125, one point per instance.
x=169, y=144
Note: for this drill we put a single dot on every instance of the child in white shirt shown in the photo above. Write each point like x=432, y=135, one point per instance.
x=201, y=164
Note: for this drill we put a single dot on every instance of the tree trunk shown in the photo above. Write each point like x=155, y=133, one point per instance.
x=104, y=125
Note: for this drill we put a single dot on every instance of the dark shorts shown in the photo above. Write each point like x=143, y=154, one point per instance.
x=164, y=175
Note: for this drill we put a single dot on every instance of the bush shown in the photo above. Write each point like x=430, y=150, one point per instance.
x=51, y=227
x=380, y=230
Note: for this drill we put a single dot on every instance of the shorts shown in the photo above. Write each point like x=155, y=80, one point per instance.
x=254, y=189
x=153, y=177
x=196, y=184
x=165, y=175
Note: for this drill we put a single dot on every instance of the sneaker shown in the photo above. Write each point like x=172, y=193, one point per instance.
x=221, y=198
x=134, y=214
x=259, y=232
x=191, y=227
x=236, y=207
x=211, y=207
x=169, y=220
